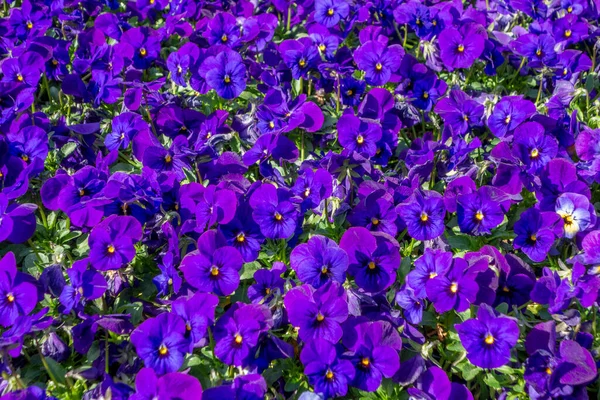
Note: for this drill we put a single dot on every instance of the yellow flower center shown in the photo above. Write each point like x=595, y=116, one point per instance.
x=170, y=281
x=372, y=265
x=324, y=270
x=425, y=95
x=227, y=79
x=365, y=362
x=20, y=77
x=302, y=62
x=271, y=124
x=320, y=317
x=507, y=119
x=434, y=22
x=278, y=217
x=329, y=374
x=224, y=38
x=418, y=21
x=533, y=237
x=168, y=158
x=432, y=275
x=568, y=219
x=214, y=270
x=549, y=371
x=10, y=297
x=143, y=52
x=330, y=12
x=570, y=9
x=565, y=71
x=162, y=350
x=538, y=52
x=424, y=217
x=267, y=290
x=461, y=48
x=322, y=47
x=238, y=338
x=82, y=192
x=110, y=249
x=378, y=66
x=489, y=339
x=349, y=92
x=568, y=33
x=360, y=139
x=188, y=327
x=307, y=192
x=534, y=153
x=374, y=221
x=179, y=69
x=479, y=216
x=25, y=157
x=505, y=289
x=240, y=238
x=454, y=287
x=466, y=118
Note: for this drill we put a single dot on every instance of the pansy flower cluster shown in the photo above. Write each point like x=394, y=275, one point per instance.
x=313, y=199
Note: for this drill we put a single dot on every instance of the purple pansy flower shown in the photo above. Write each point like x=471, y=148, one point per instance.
x=326, y=371
x=214, y=266
x=319, y=261
x=160, y=342
x=18, y=294
x=374, y=258
x=423, y=213
x=318, y=313
x=489, y=338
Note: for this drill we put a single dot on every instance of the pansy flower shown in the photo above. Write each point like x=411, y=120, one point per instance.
x=86, y=284
x=318, y=313
x=112, y=242
x=330, y=12
x=378, y=61
x=423, y=213
x=236, y=334
x=459, y=112
x=459, y=48
x=358, y=135
x=174, y=385
x=225, y=73
x=325, y=369
x=160, y=343
x=214, y=267
x=489, y=338
x=198, y=314
x=574, y=209
x=509, y=113
x=456, y=289
x=268, y=283
x=554, y=369
x=373, y=350
x=434, y=384
x=478, y=213
x=18, y=293
x=300, y=56
x=374, y=258
x=431, y=264
x=533, y=147
x=273, y=211
x=319, y=261
x=536, y=232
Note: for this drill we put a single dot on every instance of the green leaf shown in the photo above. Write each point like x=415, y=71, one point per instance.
x=58, y=372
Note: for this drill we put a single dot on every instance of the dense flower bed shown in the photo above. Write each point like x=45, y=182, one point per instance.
x=248, y=199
